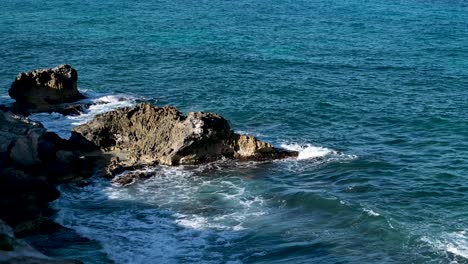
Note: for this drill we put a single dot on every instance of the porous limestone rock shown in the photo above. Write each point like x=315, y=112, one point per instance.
x=162, y=135
x=43, y=88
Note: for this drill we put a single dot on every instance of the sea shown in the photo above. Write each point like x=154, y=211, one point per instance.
x=372, y=93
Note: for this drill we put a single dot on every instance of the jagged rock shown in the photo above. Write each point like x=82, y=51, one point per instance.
x=12, y=127
x=28, y=146
x=130, y=177
x=42, y=88
x=115, y=166
x=249, y=148
x=24, y=151
x=162, y=135
x=32, y=160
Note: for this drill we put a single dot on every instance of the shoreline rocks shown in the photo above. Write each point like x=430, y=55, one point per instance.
x=150, y=135
x=42, y=89
x=32, y=162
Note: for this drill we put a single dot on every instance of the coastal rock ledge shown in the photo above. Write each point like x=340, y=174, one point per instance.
x=40, y=89
x=32, y=161
x=152, y=135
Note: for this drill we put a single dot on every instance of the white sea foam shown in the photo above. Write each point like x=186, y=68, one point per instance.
x=174, y=216
x=370, y=212
x=308, y=151
x=455, y=243
x=312, y=152
x=458, y=244
x=62, y=125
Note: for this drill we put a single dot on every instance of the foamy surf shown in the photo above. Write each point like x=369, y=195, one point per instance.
x=370, y=212
x=62, y=125
x=455, y=243
x=308, y=151
x=174, y=216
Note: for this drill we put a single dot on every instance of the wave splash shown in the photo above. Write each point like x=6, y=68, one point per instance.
x=455, y=243
x=62, y=125
x=174, y=216
x=308, y=151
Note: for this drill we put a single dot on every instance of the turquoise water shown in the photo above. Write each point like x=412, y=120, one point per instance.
x=376, y=91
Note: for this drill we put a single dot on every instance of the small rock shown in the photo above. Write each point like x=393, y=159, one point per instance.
x=129, y=178
x=70, y=110
x=42, y=88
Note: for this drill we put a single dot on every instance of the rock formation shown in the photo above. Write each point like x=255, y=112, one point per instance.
x=32, y=161
x=152, y=135
x=43, y=88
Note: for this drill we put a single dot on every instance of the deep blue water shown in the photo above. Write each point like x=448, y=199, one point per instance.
x=378, y=90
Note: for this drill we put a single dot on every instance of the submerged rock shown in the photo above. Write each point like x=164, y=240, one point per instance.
x=130, y=177
x=162, y=135
x=13, y=250
x=70, y=110
x=41, y=89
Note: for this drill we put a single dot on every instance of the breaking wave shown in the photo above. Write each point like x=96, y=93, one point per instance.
x=62, y=125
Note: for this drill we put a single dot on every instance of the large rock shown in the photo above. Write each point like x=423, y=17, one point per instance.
x=43, y=88
x=32, y=161
x=28, y=146
x=151, y=135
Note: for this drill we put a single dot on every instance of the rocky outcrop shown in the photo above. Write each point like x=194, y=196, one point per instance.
x=32, y=161
x=151, y=135
x=13, y=250
x=28, y=146
x=42, y=89
x=130, y=177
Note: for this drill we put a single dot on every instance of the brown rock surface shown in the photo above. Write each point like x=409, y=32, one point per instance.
x=42, y=88
x=163, y=135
